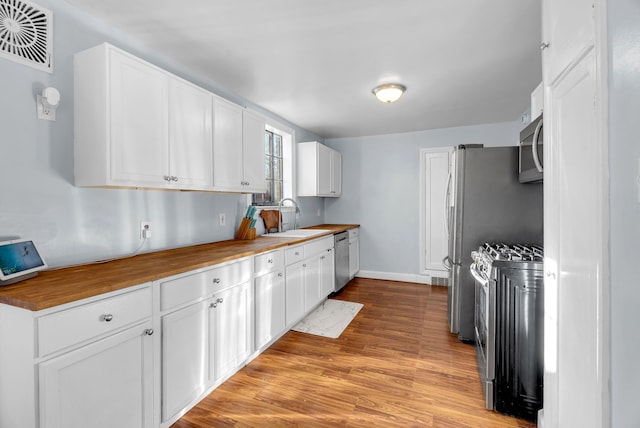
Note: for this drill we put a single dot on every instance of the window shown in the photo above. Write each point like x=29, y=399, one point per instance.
x=278, y=166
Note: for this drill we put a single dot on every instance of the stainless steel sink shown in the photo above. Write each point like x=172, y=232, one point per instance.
x=298, y=233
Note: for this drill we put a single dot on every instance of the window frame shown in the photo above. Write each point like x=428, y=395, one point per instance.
x=289, y=167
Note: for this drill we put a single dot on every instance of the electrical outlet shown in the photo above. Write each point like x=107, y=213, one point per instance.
x=223, y=219
x=145, y=229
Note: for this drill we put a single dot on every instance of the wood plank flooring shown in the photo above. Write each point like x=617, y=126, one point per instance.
x=396, y=365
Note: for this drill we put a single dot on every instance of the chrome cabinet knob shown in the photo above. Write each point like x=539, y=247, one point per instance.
x=167, y=178
x=148, y=331
x=280, y=274
x=270, y=261
x=213, y=305
x=544, y=45
x=216, y=280
x=174, y=178
x=107, y=317
x=219, y=300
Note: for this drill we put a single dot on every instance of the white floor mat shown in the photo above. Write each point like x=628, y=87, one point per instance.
x=329, y=319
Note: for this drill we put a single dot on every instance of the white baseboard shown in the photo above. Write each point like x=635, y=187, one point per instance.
x=392, y=276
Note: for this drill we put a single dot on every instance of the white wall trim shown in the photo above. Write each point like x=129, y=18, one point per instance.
x=395, y=276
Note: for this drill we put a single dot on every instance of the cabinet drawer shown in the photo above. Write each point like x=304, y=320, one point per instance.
x=353, y=233
x=318, y=246
x=267, y=262
x=293, y=255
x=71, y=326
x=188, y=288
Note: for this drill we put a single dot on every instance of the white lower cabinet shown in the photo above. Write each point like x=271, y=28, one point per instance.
x=206, y=318
x=107, y=384
x=185, y=358
x=230, y=321
x=310, y=280
x=269, y=295
x=294, y=286
x=354, y=252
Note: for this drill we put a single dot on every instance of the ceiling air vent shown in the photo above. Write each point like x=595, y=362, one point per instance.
x=25, y=34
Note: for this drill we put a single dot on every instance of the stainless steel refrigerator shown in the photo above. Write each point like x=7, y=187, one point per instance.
x=485, y=203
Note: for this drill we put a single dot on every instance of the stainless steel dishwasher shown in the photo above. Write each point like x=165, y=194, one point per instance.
x=341, y=251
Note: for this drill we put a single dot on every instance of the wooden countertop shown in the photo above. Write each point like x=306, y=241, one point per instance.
x=65, y=285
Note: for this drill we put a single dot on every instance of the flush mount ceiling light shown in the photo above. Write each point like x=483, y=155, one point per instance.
x=389, y=92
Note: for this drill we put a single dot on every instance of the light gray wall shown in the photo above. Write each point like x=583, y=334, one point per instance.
x=380, y=189
x=74, y=225
x=624, y=155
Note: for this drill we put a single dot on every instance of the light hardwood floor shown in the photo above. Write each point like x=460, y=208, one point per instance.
x=396, y=365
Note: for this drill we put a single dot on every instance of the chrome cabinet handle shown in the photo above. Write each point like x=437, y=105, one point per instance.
x=148, y=331
x=107, y=317
x=216, y=280
x=167, y=178
x=270, y=261
x=213, y=305
x=551, y=275
x=174, y=178
x=280, y=274
x=219, y=300
x=544, y=45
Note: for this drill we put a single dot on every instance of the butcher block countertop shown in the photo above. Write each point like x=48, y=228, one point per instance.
x=65, y=285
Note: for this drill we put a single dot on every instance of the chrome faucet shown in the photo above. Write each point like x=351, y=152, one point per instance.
x=295, y=215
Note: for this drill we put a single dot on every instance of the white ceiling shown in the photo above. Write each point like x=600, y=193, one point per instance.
x=315, y=62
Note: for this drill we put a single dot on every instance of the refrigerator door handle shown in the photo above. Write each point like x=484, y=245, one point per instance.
x=446, y=262
x=534, y=147
x=447, y=211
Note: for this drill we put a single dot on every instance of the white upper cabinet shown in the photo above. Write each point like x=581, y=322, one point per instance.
x=567, y=29
x=238, y=152
x=137, y=125
x=190, y=134
x=319, y=170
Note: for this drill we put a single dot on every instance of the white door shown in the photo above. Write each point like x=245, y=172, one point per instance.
x=253, y=152
x=294, y=287
x=568, y=29
x=336, y=173
x=139, y=115
x=190, y=132
x=227, y=145
x=324, y=170
x=312, y=281
x=229, y=328
x=102, y=385
x=576, y=284
x=434, y=175
x=184, y=357
x=270, y=307
x=327, y=268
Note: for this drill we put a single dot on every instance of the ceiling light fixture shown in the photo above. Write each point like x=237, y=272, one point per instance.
x=389, y=92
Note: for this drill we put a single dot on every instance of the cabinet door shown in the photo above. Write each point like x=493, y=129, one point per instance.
x=253, y=153
x=139, y=117
x=575, y=284
x=270, y=307
x=227, y=146
x=184, y=357
x=354, y=257
x=328, y=273
x=324, y=170
x=336, y=173
x=294, y=287
x=190, y=136
x=105, y=384
x=568, y=28
x=313, y=281
x=230, y=335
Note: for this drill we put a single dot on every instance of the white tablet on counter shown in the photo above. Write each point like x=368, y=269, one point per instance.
x=19, y=260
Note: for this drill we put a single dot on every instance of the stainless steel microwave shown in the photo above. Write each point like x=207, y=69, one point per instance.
x=531, y=148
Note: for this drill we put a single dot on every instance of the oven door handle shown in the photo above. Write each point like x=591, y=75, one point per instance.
x=474, y=271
